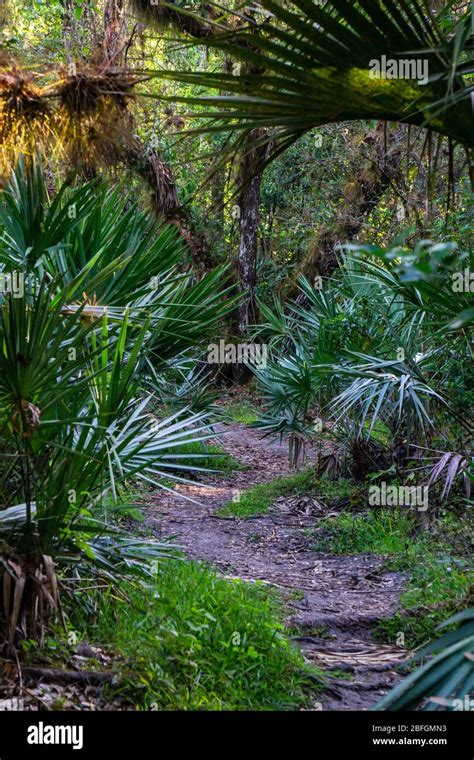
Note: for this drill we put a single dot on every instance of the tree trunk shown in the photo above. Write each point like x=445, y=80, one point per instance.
x=3, y=11
x=247, y=253
x=69, y=31
x=249, y=178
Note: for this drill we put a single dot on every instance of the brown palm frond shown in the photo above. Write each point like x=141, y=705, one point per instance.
x=93, y=122
x=82, y=92
x=25, y=116
x=29, y=594
x=18, y=93
x=81, y=118
x=447, y=467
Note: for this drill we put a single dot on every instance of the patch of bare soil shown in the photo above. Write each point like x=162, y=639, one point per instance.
x=335, y=601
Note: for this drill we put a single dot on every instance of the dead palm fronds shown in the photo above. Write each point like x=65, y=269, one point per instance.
x=19, y=96
x=81, y=117
x=82, y=92
x=92, y=119
x=28, y=593
x=25, y=116
x=447, y=467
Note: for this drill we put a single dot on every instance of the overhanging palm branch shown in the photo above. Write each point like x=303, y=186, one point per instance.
x=313, y=65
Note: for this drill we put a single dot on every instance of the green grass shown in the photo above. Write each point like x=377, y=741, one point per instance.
x=437, y=586
x=241, y=412
x=438, y=580
x=202, y=454
x=258, y=500
x=385, y=532
x=379, y=431
x=195, y=641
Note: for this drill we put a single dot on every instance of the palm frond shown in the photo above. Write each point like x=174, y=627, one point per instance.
x=297, y=56
x=445, y=681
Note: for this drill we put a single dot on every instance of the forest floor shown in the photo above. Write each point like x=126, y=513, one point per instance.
x=334, y=602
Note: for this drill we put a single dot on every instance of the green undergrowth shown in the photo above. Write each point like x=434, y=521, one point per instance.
x=384, y=532
x=436, y=562
x=195, y=641
x=438, y=587
x=258, y=500
x=243, y=412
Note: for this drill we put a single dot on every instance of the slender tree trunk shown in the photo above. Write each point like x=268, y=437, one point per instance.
x=69, y=30
x=470, y=166
x=247, y=253
x=250, y=179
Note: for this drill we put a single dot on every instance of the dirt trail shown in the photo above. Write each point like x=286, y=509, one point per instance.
x=335, y=600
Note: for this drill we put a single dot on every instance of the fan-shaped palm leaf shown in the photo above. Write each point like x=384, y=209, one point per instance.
x=313, y=62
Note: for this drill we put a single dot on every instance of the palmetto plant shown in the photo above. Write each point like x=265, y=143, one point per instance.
x=375, y=350
x=78, y=343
